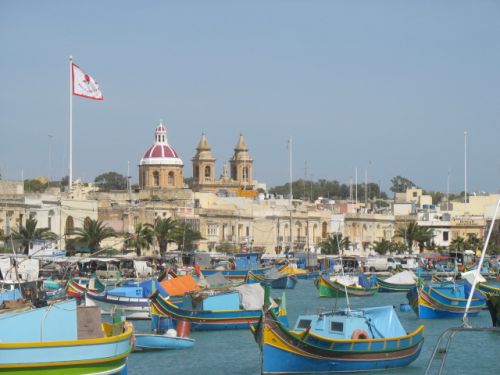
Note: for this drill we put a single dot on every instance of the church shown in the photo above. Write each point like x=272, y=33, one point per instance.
x=162, y=168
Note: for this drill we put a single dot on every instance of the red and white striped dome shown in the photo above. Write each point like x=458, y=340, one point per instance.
x=161, y=153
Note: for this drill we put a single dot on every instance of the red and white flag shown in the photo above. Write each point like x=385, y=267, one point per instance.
x=84, y=85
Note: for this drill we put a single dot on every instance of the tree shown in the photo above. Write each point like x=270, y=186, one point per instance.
x=35, y=186
x=92, y=233
x=142, y=238
x=111, y=181
x=414, y=233
x=345, y=244
x=29, y=232
x=184, y=235
x=473, y=242
x=163, y=232
x=458, y=244
x=382, y=247
x=331, y=245
x=401, y=184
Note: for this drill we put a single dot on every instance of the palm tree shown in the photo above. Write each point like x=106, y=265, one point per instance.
x=184, y=235
x=331, y=245
x=458, y=244
x=474, y=242
x=29, y=233
x=345, y=244
x=142, y=237
x=414, y=233
x=92, y=233
x=382, y=247
x=163, y=232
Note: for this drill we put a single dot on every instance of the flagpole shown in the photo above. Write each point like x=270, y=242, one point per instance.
x=70, y=177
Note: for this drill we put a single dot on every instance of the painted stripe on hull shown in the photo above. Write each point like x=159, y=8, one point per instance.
x=277, y=361
x=109, y=368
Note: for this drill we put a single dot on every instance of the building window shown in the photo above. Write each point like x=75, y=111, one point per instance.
x=49, y=224
x=414, y=194
x=156, y=178
x=324, y=230
x=245, y=174
x=212, y=230
x=70, y=225
x=196, y=173
x=170, y=178
x=208, y=173
x=445, y=236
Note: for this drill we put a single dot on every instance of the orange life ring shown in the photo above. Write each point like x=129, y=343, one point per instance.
x=360, y=334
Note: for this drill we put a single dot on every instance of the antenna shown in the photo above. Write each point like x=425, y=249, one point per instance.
x=465, y=169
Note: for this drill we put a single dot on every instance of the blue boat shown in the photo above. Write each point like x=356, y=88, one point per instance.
x=444, y=300
x=216, y=312
x=132, y=299
x=62, y=339
x=273, y=278
x=243, y=262
x=400, y=282
x=337, y=341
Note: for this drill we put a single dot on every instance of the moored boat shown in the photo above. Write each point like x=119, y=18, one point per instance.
x=400, y=282
x=217, y=312
x=337, y=341
x=62, y=339
x=339, y=286
x=444, y=300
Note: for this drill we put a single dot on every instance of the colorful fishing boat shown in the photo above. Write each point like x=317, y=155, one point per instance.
x=132, y=299
x=273, y=278
x=230, y=310
x=62, y=339
x=400, y=282
x=243, y=262
x=489, y=289
x=77, y=287
x=445, y=300
x=494, y=308
x=340, y=285
x=337, y=341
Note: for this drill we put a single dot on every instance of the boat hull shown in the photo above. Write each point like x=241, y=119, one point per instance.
x=284, y=282
x=386, y=287
x=133, y=308
x=333, y=289
x=207, y=319
x=235, y=274
x=285, y=352
x=161, y=342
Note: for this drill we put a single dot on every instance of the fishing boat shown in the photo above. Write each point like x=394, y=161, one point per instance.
x=400, y=282
x=243, y=263
x=235, y=309
x=340, y=285
x=337, y=341
x=274, y=278
x=77, y=287
x=163, y=336
x=62, y=339
x=489, y=289
x=445, y=300
x=132, y=299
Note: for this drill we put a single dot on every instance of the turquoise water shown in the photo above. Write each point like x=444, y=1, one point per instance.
x=235, y=352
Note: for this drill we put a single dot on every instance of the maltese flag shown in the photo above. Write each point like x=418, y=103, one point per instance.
x=84, y=85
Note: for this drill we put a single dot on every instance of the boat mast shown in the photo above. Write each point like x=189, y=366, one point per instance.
x=479, y=266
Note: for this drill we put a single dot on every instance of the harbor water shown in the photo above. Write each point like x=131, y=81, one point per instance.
x=236, y=352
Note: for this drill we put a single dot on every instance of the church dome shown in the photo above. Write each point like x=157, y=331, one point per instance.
x=161, y=153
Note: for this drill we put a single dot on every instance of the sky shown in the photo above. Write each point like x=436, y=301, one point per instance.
x=384, y=86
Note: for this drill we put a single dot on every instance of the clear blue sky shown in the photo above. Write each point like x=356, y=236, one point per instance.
x=390, y=85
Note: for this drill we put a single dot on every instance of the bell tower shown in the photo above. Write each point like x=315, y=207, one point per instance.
x=203, y=165
x=242, y=165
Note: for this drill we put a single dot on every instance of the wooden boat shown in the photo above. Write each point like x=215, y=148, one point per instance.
x=62, y=339
x=337, y=341
x=400, y=282
x=275, y=280
x=488, y=289
x=217, y=312
x=334, y=288
x=77, y=287
x=243, y=262
x=235, y=274
x=151, y=341
x=445, y=300
x=133, y=300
